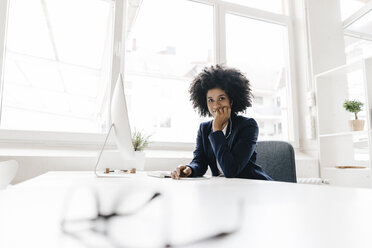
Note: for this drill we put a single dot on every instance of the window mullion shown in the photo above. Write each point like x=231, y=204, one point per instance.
x=291, y=90
x=3, y=23
x=220, y=34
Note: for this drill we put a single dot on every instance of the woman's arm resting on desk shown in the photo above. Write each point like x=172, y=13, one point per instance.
x=198, y=165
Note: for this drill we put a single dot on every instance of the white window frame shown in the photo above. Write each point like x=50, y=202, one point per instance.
x=94, y=140
x=355, y=17
x=261, y=15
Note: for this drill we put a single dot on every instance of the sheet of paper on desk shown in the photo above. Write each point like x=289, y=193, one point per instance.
x=195, y=178
x=160, y=174
x=167, y=174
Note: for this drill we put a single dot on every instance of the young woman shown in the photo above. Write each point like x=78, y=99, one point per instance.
x=227, y=143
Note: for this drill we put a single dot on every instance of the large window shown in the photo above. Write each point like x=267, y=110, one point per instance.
x=349, y=7
x=61, y=56
x=358, y=30
x=57, y=65
x=260, y=49
x=164, y=54
x=169, y=42
x=358, y=43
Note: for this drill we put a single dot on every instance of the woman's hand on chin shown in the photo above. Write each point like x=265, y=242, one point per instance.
x=221, y=118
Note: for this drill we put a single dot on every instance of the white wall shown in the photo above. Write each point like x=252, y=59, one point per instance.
x=326, y=42
x=326, y=35
x=319, y=46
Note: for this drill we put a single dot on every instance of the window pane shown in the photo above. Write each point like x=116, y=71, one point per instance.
x=260, y=50
x=276, y=6
x=349, y=7
x=363, y=25
x=57, y=68
x=356, y=48
x=162, y=56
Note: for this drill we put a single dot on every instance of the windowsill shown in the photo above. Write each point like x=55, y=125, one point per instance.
x=37, y=160
x=70, y=152
x=43, y=152
x=28, y=151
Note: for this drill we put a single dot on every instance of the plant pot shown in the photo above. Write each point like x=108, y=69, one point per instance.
x=356, y=125
x=139, y=160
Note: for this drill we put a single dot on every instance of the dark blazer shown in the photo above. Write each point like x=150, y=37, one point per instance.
x=236, y=154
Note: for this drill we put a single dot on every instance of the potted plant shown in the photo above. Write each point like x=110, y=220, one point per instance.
x=354, y=106
x=140, y=141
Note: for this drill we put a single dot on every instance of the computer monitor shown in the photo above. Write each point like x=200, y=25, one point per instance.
x=120, y=125
x=120, y=121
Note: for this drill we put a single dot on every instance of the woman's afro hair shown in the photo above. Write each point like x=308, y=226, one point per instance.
x=232, y=81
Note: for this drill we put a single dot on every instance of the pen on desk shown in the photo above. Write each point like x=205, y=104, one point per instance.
x=107, y=170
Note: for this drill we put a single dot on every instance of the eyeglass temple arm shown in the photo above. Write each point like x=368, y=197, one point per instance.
x=155, y=195
x=108, y=216
x=219, y=234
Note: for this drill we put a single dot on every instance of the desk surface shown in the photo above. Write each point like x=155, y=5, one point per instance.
x=275, y=214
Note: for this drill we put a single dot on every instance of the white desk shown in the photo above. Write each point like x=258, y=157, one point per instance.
x=275, y=214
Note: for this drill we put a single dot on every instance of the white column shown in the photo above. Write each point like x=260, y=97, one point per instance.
x=327, y=51
x=3, y=24
x=326, y=35
x=318, y=46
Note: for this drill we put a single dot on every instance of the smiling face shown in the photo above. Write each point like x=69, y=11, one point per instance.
x=217, y=98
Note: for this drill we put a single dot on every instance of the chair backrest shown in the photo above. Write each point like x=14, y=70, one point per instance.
x=8, y=170
x=277, y=159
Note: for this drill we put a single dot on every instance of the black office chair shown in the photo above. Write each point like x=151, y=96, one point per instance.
x=277, y=159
